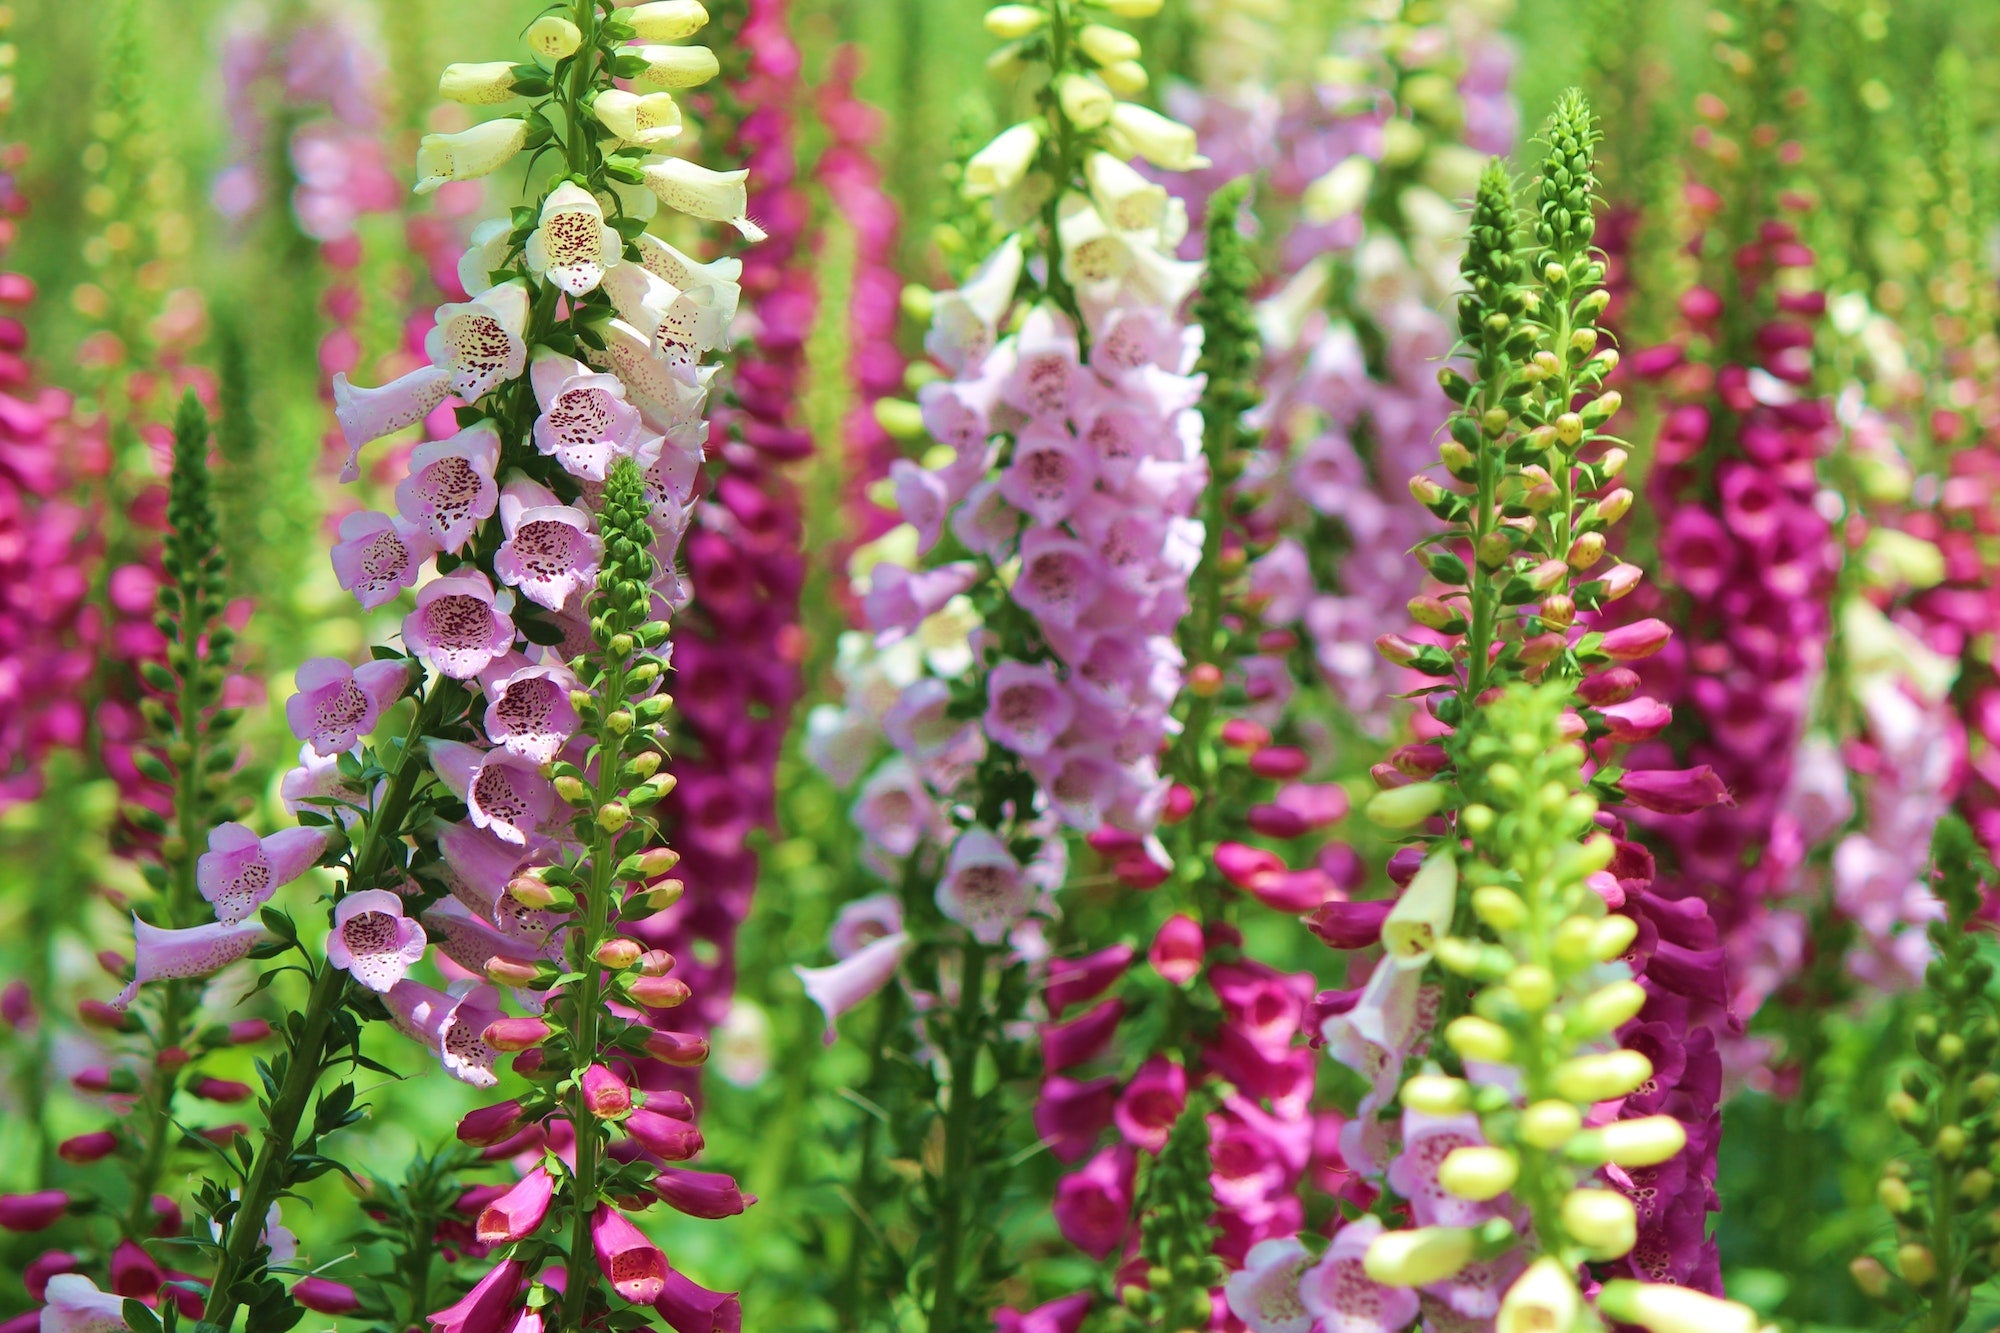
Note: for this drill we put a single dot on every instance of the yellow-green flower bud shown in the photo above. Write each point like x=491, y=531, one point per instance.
x=1533, y=987
x=1011, y=22
x=1542, y=1300
x=1498, y=907
x=1598, y=1078
x=1418, y=1258
x=1613, y=937
x=1609, y=1008
x=1549, y=1124
x=1133, y=9
x=1870, y=1276
x=1917, y=1264
x=1478, y=1173
x=1436, y=1094
x=1658, y=1308
x=1405, y=807
x=487, y=83
x=666, y=20
x=1646, y=1141
x=1127, y=78
x=1107, y=46
x=1084, y=100
x=1477, y=1038
x=1602, y=1221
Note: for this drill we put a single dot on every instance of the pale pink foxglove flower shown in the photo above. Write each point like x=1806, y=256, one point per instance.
x=1338, y=1292
x=459, y=625
x=585, y=421
x=528, y=709
x=481, y=341
x=549, y=553
x=505, y=793
x=378, y=556
x=240, y=871
x=854, y=979
x=450, y=488
x=338, y=704
x=1265, y=1292
x=983, y=887
x=372, y=940
x=160, y=954
x=573, y=247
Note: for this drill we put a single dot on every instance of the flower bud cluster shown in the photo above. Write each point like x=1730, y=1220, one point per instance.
x=1941, y=1192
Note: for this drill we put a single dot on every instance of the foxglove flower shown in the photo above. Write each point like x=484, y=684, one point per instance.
x=372, y=940
x=450, y=488
x=550, y=553
x=240, y=871
x=572, y=247
x=459, y=626
x=193, y=951
x=336, y=705
x=378, y=556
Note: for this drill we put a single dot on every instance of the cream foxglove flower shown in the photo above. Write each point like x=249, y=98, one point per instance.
x=715, y=196
x=671, y=67
x=1165, y=143
x=1341, y=191
x=1542, y=1300
x=1084, y=100
x=1101, y=257
x=482, y=342
x=486, y=83
x=965, y=322
x=1001, y=164
x=486, y=251
x=1128, y=200
x=554, y=37
x=722, y=277
x=572, y=247
x=680, y=325
x=469, y=154
x=666, y=20
x=667, y=403
x=648, y=121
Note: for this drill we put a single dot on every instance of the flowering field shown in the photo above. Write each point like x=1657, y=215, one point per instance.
x=1084, y=666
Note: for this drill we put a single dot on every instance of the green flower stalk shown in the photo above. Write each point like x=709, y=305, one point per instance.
x=1940, y=1194
x=1537, y=1048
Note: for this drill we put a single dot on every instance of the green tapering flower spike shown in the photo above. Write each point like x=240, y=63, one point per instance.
x=1176, y=1238
x=1940, y=1193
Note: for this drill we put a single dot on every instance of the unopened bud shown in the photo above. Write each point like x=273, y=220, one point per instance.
x=1436, y=1094
x=1603, y=1222
x=504, y=971
x=1599, y=1078
x=1550, y=1124
x=571, y=789
x=618, y=954
x=659, y=897
x=612, y=816
x=1478, y=1173
x=1917, y=1264
x=1478, y=1039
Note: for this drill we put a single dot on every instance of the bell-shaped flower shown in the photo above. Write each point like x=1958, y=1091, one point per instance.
x=516, y=1214
x=681, y=326
x=378, y=556
x=75, y=1305
x=1049, y=474
x=645, y=119
x=528, y=709
x=854, y=979
x=459, y=626
x=482, y=341
x=1003, y=162
x=1093, y=1206
x=713, y=196
x=1375, y=1035
x=635, y=1267
x=669, y=68
x=487, y=250
x=894, y=810
x=480, y=83
x=1338, y=1292
x=1027, y=708
x=667, y=20
x=721, y=279
x=1265, y=1293
x=317, y=784
x=1047, y=372
x=337, y=704
x=667, y=403
x=705, y=1194
x=240, y=871
x=471, y=939
x=689, y=1307
x=504, y=792
x=1110, y=264
x=372, y=940
x=983, y=887
x=1151, y=1103
x=1060, y=577
x=1128, y=201
x=965, y=323
x=468, y=154
x=549, y=552
x=451, y=1024
x=899, y=599
x=573, y=247
x=585, y=420
x=1427, y=1141
x=366, y=415
x=1423, y=914
x=1167, y=144
x=195, y=951
x=488, y=1307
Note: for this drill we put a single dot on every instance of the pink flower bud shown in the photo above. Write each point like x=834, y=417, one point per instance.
x=1640, y=639
x=473, y=1200
x=667, y=1137
x=1108, y=840
x=655, y=963
x=605, y=1095
x=91, y=1147
x=1420, y=761
x=325, y=1296
x=1636, y=720
x=1294, y=891
x=1610, y=686
x=658, y=992
x=166, y=1215
x=1675, y=791
x=171, y=1058
x=50, y=1263
x=1350, y=925
x=1240, y=733
x=17, y=1006
x=516, y=1214
x=222, y=1090
x=1700, y=305
x=689, y=1307
x=1397, y=649
x=1078, y=980
x=706, y=1194
x=488, y=1307
x=1275, y=821
x=675, y=1104
x=1282, y=762
x=505, y=971
x=618, y=954
x=634, y=1266
x=246, y=1031
x=1081, y=1038
x=1240, y=863
x=103, y=1016
x=1178, y=949
x=32, y=1212
x=133, y=1272
x=1180, y=804
x=528, y=1063
x=1621, y=579
x=488, y=1125
x=516, y=1034
x=1140, y=872
x=680, y=1049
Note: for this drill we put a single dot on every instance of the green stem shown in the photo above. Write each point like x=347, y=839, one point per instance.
x=266, y=1179
x=589, y=1004
x=967, y=1037
x=888, y=1013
